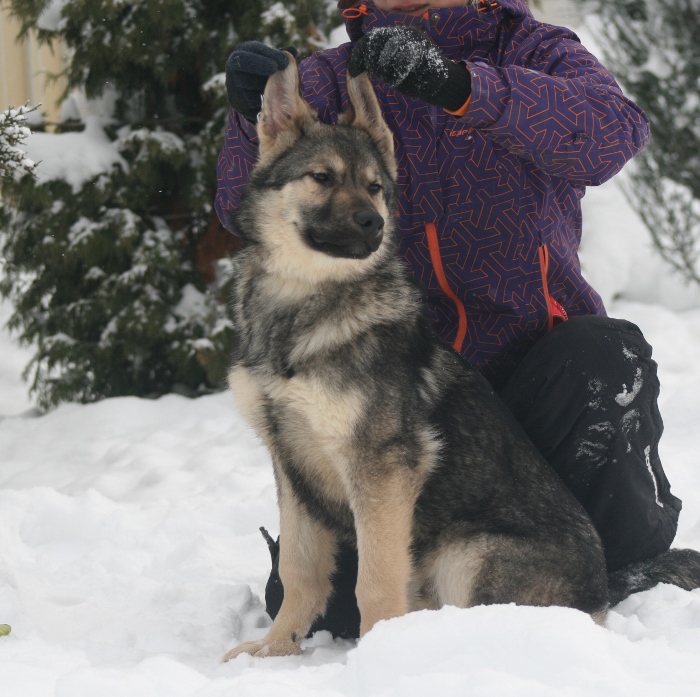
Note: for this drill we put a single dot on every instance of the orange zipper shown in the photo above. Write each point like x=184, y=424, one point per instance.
x=354, y=12
x=436, y=259
x=555, y=311
x=544, y=269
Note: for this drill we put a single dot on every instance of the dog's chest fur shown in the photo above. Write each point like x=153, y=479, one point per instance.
x=298, y=407
x=304, y=422
x=296, y=378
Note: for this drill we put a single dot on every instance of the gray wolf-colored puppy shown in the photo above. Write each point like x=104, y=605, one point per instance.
x=380, y=434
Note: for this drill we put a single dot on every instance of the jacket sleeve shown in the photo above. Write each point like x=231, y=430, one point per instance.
x=553, y=103
x=236, y=161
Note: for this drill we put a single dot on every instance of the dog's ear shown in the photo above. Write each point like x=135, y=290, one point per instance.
x=284, y=113
x=364, y=112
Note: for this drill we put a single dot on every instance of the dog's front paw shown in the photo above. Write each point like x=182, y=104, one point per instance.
x=263, y=648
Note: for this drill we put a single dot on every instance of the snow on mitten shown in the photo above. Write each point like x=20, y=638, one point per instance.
x=406, y=59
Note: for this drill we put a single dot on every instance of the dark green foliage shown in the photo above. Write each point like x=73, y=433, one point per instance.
x=13, y=135
x=108, y=281
x=653, y=48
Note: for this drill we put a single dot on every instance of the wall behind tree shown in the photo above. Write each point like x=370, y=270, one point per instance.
x=26, y=67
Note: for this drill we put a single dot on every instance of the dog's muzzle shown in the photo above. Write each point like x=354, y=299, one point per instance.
x=355, y=241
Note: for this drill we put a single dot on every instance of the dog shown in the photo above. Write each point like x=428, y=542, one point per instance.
x=381, y=435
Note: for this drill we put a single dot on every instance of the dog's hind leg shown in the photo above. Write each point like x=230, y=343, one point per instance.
x=383, y=520
x=455, y=570
x=491, y=568
x=307, y=562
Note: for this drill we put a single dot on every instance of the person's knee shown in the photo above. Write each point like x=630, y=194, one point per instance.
x=583, y=363
x=596, y=346
x=593, y=333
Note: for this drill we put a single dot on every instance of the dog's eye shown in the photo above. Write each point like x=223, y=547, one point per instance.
x=320, y=177
x=374, y=188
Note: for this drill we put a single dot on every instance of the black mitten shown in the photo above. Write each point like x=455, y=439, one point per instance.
x=247, y=70
x=406, y=59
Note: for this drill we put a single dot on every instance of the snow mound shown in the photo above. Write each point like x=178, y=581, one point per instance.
x=131, y=562
x=75, y=157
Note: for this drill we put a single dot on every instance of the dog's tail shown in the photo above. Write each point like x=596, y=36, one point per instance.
x=681, y=567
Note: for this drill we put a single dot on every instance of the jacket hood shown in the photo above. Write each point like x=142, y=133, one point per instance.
x=367, y=16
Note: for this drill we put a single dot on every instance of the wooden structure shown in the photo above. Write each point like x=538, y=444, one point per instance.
x=25, y=68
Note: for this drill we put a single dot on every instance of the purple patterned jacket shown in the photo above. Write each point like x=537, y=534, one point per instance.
x=490, y=216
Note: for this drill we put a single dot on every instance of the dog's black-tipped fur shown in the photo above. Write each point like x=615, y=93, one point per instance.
x=680, y=567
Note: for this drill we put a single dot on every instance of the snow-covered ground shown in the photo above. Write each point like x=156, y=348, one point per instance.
x=130, y=561
x=130, y=557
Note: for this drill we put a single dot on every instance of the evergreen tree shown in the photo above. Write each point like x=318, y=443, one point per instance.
x=13, y=135
x=653, y=48
x=113, y=281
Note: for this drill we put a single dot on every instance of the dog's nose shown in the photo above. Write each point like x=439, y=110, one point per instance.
x=370, y=221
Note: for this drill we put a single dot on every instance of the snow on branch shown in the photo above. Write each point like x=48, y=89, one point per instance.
x=13, y=135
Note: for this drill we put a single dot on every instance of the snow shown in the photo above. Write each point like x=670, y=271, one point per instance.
x=13, y=136
x=396, y=53
x=131, y=559
x=50, y=17
x=276, y=12
x=13, y=392
x=77, y=157
x=192, y=304
x=625, y=398
x=338, y=36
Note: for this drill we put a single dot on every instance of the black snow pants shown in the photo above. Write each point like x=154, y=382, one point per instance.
x=586, y=395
